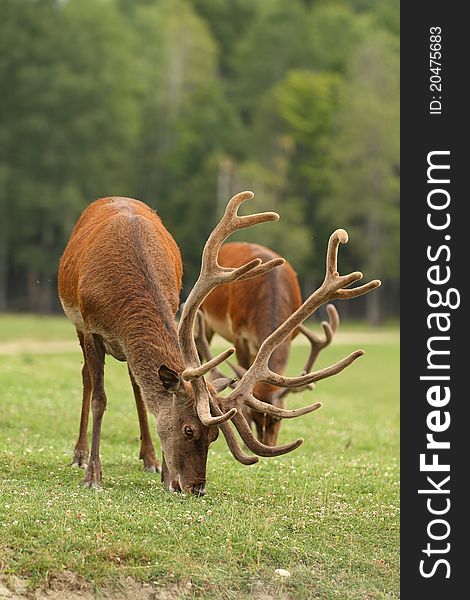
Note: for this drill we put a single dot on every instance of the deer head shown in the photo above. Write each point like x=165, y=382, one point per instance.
x=190, y=423
x=185, y=423
x=185, y=440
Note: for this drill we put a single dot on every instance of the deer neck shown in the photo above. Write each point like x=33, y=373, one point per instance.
x=152, y=341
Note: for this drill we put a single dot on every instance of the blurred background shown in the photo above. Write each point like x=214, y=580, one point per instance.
x=182, y=103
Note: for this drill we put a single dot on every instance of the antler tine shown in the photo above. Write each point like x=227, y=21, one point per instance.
x=281, y=413
x=211, y=275
x=296, y=382
x=247, y=221
x=256, y=446
x=229, y=223
x=340, y=236
x=262, y=268
x=231, y=440
x=190, y=374
x=333, y=287
x=293, y=382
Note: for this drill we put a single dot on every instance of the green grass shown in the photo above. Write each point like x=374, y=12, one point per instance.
x=26, y=326
x=328, y=512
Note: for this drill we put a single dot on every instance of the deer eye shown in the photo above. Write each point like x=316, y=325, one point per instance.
x=188, y=431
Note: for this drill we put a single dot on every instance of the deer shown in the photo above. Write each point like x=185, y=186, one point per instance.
x=119, y=282
x=246, y=312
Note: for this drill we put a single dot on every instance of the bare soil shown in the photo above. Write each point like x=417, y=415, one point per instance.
x=69, y=586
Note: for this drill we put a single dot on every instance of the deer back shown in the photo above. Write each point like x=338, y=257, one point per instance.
x=247, y=312
x=120, y=260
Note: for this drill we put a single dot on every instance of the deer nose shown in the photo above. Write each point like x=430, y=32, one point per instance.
x=199, y=489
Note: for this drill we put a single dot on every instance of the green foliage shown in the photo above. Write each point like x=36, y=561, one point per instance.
x=366, y=152
x=181, y=103
x=307, y=103
x=65, y=121
x=274, y=43
x=228, y=21
x=289, y=237
x=334, y=32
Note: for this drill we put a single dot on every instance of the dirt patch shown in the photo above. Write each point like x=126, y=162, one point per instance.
x=69, y=586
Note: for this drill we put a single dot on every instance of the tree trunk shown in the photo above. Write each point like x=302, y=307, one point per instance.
x=3, y=242
x=3, y=261
x=373, y=300
x=45, y=280
x=33, y=289
x=45, y=296
x=373, y=309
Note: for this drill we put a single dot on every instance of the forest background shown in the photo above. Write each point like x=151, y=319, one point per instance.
x=181, y=103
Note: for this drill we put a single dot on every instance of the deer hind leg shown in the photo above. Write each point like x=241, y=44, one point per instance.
x=80, y=454
x=94, y=353
x=147, y=451
x=243, y=358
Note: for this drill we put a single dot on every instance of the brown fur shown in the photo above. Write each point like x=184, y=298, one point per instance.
x=119, y=282
x=247, y=312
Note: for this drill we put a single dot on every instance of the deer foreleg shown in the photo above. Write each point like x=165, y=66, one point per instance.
x=147, y=451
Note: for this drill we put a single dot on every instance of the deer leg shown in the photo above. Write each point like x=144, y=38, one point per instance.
x=94, y=353
x=80, y=454
x=147, y=451
x=272, y=431
x=243, y=358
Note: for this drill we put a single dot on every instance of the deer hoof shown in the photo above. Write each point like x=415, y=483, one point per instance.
x=153, y=468
x=80, y=459
x=93, y=485
x=93, y=475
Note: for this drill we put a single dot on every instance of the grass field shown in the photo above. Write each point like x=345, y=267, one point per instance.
x=328, y=512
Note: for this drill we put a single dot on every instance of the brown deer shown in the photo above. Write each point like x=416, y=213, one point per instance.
x=246, y=313
x=119, y=281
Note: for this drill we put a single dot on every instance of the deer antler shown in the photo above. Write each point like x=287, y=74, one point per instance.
x=211, y=275
x=334, y=286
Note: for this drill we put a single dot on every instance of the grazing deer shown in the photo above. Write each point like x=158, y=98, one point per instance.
x=246, y=313
x=119, y=281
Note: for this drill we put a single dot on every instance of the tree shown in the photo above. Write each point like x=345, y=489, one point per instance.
x=228, y=21
x=187, y=124
x=67, y=119
x=181, y=103
x=290, y=236
x=365, y=163
x=334, y=33
x=175, y=58
x=291, y=140
x=275, y=42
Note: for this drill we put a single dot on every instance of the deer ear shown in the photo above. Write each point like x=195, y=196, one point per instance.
x=170, y=379
x=222, y=383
